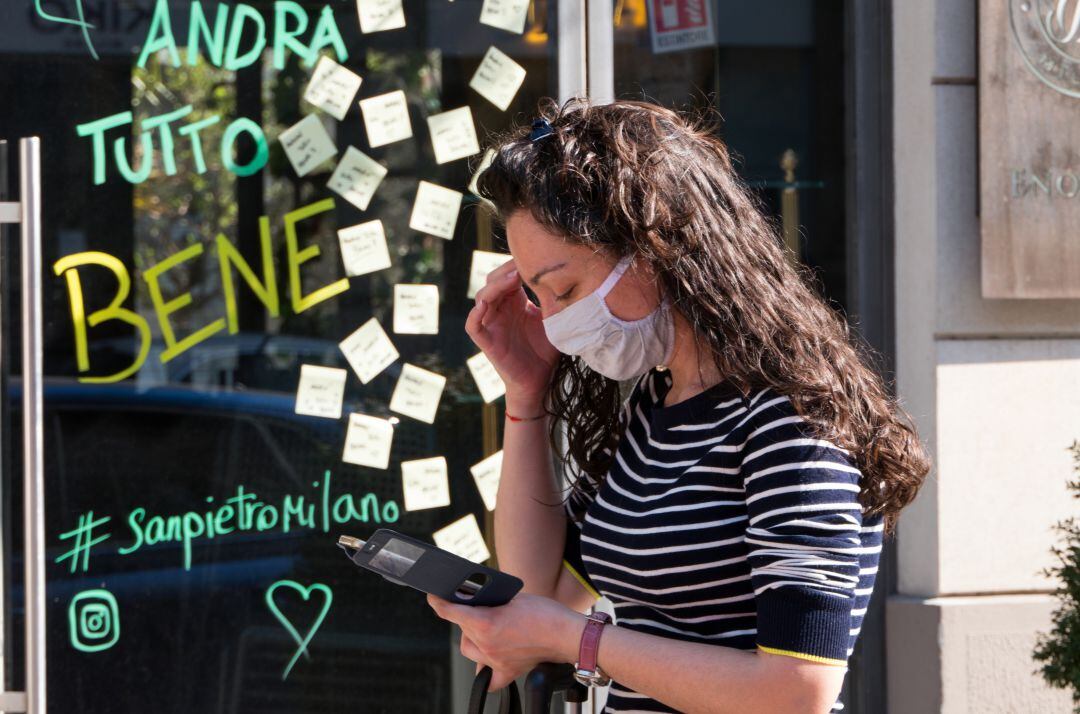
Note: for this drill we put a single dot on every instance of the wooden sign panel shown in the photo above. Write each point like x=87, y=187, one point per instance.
x=1029, y=156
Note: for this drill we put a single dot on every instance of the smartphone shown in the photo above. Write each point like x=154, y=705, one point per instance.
x=407, y=561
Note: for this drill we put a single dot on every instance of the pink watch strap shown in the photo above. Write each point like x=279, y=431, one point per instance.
x=590, y=641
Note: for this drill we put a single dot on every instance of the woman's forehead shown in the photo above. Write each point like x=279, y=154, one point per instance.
x=536, y=249
x=525, y=231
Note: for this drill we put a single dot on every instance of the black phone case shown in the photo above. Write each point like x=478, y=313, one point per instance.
x=441, y=572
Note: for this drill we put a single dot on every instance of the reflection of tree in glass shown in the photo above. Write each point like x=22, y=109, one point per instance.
x=416, y=257
x=418, y=73
x=173, y=212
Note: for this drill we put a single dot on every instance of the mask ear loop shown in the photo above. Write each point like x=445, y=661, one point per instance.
x=613, y=277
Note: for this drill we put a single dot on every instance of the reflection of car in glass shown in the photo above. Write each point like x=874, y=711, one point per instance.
x=172, y=448
x=251, y=359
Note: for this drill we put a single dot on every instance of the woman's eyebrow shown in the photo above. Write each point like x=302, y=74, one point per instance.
x=544, y=271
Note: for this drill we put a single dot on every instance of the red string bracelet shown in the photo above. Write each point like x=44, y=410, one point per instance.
x=511, y=417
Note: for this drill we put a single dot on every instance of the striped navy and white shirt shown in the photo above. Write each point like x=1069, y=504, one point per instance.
x=723, y=521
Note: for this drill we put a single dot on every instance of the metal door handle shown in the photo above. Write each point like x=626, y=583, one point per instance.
x=27, y=214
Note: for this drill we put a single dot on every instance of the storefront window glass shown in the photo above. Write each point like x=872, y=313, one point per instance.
x=218, y=225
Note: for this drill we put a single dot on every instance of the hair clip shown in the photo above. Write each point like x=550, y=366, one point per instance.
x=540, y=128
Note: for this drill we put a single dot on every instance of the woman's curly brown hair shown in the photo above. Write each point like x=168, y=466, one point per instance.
x=636, y=178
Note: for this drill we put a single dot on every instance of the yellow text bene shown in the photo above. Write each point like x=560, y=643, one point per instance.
x=229, y=258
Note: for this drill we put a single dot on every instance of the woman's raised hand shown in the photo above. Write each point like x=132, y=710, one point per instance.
x=509, y=329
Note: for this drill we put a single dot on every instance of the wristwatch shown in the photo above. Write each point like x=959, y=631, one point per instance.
x=586, y=670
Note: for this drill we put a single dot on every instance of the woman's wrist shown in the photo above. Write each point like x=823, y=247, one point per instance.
x=524, y=408
x=567, y=637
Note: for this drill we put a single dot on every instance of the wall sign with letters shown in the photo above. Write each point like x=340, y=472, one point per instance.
x=1029, y=157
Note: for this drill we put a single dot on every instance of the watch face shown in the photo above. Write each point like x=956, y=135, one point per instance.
x=597, y=678
x=586, y=678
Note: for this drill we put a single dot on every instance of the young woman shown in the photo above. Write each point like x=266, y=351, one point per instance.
x=732, y=507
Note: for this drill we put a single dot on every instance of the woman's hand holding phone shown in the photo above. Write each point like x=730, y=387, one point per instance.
x=509, y=329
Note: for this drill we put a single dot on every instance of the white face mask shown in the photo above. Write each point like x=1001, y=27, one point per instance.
x=616, y=348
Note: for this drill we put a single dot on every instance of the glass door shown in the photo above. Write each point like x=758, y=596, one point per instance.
x=799, y=93
x=259, y=249
x=772, y=73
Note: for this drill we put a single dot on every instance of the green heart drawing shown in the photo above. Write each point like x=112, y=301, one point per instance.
x=306, y=594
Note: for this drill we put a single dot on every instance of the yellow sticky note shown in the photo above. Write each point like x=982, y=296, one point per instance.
x=424, y=483
x=435, y=210
x=386, y=118
x=464, y=539
x=486, y=474
x=498, y=78
x=483, y=262
x=356, y=177
x=378, y=15
x=321, y=391
x=507, y=15
x=363, y=248
x=416, y=309
x=453, y=135
x=368, y=440
x=307, y=143
x=369, y=350
x=332, y=87
x=487, y=379
x=417, y=393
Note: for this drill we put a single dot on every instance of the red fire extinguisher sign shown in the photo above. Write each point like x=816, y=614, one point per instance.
x=680, y=24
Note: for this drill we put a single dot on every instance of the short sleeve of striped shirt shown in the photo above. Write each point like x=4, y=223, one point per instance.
x=802, y=533
x=572, y=560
